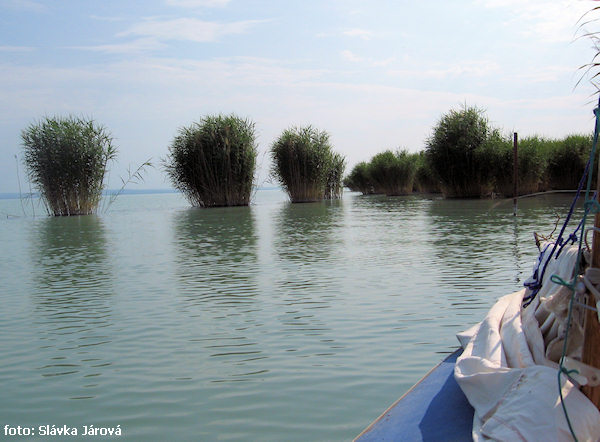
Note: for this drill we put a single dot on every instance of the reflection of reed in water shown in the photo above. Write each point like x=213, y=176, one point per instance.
x=468, y=237
x=305, y=232
x=216, y=255
x=216, y=271
x=305, y=241
x=389, y=221
x=386, y=204
x=72, y=290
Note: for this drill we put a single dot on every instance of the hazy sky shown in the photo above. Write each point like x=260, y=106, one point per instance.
x=375, y=74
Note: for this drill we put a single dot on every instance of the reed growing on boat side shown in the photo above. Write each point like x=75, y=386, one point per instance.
x=457, y=153
x=393, y=173
x=212, y=162
x=305, y=165
x=359, y=179
x=66, y=159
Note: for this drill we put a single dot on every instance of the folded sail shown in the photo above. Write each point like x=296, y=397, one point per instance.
x=509, y=371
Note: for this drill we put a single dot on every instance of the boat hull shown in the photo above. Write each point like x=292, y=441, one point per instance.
x=434, y=409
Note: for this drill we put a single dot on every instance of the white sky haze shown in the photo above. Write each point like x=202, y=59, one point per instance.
x=376, y=75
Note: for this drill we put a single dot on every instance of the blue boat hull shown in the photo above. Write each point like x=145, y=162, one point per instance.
x=435, y=409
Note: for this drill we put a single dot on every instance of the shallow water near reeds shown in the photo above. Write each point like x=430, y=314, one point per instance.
x=270, y=322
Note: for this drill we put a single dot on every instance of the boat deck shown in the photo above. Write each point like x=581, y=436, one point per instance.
x=434, y=409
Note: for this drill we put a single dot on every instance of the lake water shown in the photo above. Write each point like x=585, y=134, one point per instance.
x=270, y=322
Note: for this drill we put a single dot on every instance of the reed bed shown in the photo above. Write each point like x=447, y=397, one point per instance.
x=393, y=173
x=457, y=153
x=359, y=179
x=305, y=165
x=467, y=158
x=212, y=162
x=426, y=180
x=66, y=159
x=532, y=162
x=543, y=163
x=334, y=187
x=566, y=160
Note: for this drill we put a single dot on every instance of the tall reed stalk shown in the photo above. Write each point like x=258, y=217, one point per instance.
x=212, y=162
x=66, y=160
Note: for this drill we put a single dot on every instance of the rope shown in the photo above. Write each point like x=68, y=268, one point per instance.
x=589, y=207
x=536, y=285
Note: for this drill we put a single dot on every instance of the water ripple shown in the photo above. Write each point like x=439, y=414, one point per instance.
x=270, y=322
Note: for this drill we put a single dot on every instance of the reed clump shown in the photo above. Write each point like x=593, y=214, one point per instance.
x=531, y=164
x=426, y=181
x=458, y=154
x=359, y=179
x=566, y=160
x=67, y=159
x=393, y=173
x=467, y=158
x=212, y=162
x=305, y=165
x=334, y=187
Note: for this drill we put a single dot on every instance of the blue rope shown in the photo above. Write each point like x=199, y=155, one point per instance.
x=573, y=236
x=536, y=285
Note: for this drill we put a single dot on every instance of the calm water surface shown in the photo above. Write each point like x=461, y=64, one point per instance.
x=270, y=322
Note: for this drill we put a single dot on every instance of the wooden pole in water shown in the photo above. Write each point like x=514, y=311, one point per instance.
x=515, y=172
x=591, y=343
